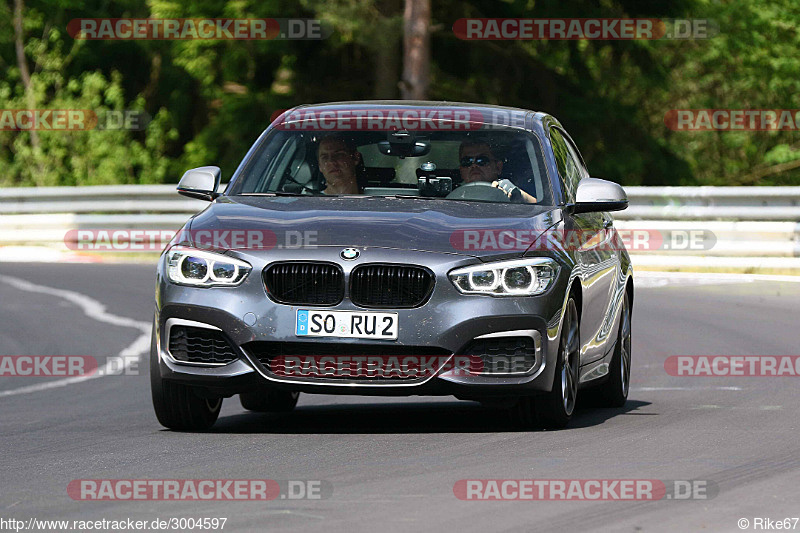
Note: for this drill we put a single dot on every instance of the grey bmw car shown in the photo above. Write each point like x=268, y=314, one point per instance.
x=397, y=248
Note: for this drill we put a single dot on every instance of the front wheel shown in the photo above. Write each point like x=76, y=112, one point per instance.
x=559, y=404
x=176, y=405
x=614, y=392
x=554, y=409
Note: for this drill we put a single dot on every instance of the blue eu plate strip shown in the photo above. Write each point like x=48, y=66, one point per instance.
x=302, y=322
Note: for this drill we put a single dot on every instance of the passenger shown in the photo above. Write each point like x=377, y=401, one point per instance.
x=339, y=162
x=478, y=163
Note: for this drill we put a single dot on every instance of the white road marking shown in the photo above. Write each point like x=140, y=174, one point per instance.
x=96, y=311
x=651, y=389
x=648, y=279
x=294, y=513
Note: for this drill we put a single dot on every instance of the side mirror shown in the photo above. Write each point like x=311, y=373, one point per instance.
x=201, y=183
x=595, y=195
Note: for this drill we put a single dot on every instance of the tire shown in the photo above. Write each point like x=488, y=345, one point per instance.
x=557, y=406
x=614, y=392
x=176, y=405
x=269, y=402
x=554, y=409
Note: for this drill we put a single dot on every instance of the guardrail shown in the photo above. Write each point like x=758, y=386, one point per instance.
x=646, y=203
x=746, y=221
x=106, y=199
x=712, y=203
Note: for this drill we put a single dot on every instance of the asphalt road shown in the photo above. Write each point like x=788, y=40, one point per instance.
x=393, y=462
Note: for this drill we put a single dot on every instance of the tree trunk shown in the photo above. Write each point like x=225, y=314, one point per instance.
x=384, y=44
x=24, y=73
x=416, y=50
x=386, y=70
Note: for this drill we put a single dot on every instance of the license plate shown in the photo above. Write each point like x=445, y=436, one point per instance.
x=350, y=324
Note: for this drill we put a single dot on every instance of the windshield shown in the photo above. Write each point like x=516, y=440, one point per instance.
x=483, y=166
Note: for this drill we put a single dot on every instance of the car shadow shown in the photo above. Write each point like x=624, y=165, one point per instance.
x=400, y=418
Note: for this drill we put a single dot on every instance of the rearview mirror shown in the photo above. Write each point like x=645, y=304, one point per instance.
x=403, y=150
x=595, y=195
x=404, y=144
x=201, y=183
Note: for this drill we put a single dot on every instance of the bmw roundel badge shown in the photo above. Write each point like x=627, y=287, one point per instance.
x=348, y=254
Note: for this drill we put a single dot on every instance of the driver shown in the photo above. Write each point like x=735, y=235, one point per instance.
x=478, y=163
x=339, y=160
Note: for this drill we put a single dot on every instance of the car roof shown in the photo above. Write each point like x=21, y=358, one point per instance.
x=417, y=104
x=412, y=103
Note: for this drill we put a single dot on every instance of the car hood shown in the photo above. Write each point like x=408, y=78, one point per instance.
x=443, y=226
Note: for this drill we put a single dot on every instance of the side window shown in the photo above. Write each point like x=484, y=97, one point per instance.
x=270, y=169
x=568, y=169
x=578, y=159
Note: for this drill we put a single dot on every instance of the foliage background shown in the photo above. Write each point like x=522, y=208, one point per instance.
x=210, y=100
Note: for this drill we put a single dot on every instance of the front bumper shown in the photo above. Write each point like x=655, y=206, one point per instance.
x=449, y=321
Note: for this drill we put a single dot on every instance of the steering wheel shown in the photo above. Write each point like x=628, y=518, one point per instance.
x=478, y=190
x=309, y=187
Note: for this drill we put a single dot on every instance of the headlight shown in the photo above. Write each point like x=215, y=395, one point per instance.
x=188, y=266
x=523, y=277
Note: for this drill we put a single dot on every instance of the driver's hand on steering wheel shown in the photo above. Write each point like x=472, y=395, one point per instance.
x=515, y=194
